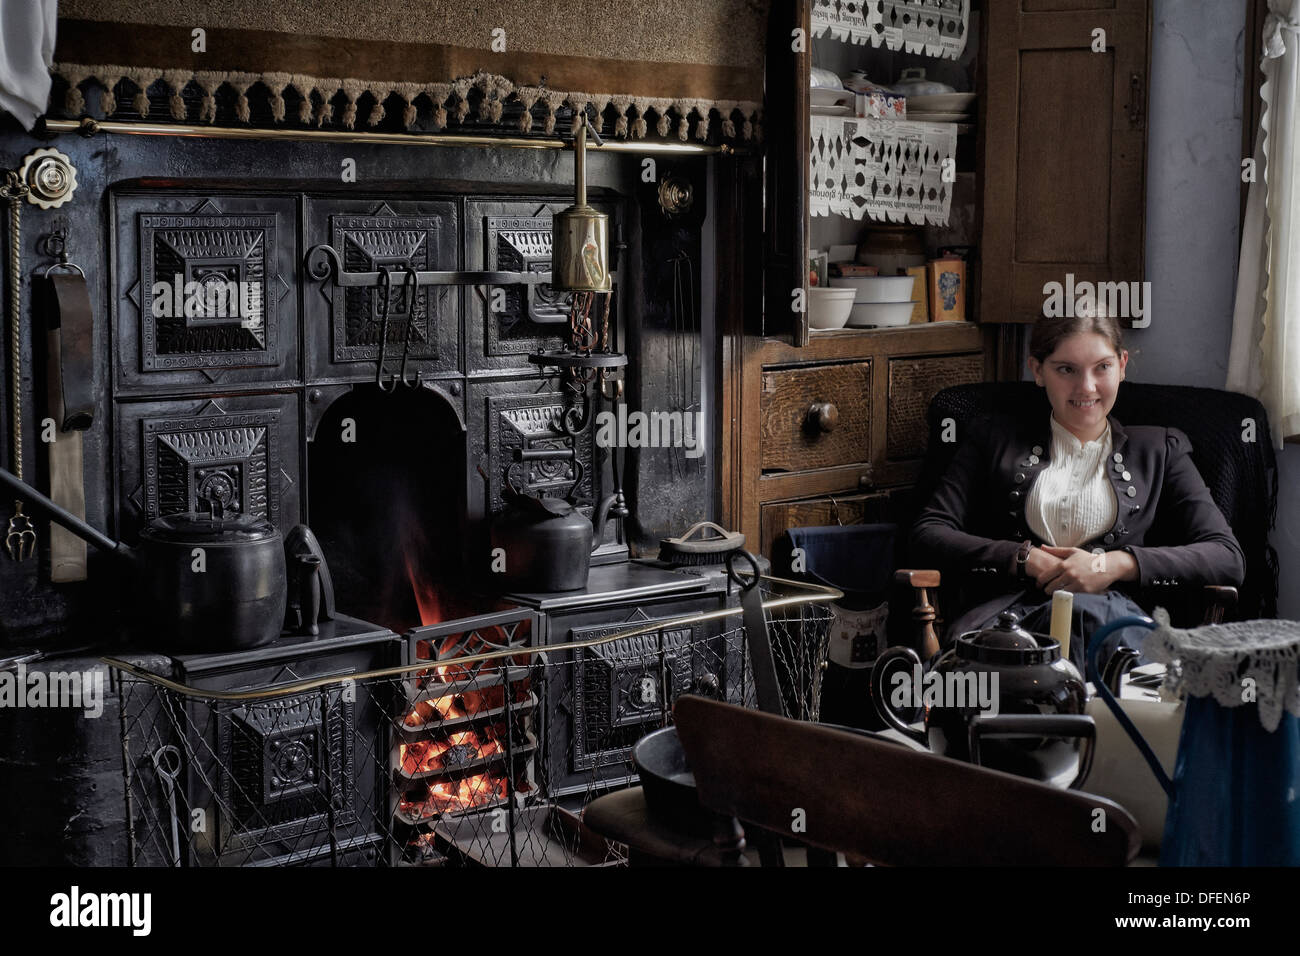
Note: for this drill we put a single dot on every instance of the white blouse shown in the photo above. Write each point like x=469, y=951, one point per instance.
x=1072, y=500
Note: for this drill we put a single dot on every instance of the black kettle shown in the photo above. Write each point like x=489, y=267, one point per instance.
x=544, y=544
x=1001, y=697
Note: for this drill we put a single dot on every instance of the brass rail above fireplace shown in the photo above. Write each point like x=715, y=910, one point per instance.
x=89, y=127
x=812, y=594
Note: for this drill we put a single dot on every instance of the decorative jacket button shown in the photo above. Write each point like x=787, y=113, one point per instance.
x=1020, y=476
x=1126, y=476
x=1038, y=449
x=1109, y=539
x=1131, y=491
x=1118, y=458
x=1033, y=459
x=1015, y=495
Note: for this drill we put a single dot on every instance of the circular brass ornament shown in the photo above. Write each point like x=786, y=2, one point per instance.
x=676, y=196
x=50, y=177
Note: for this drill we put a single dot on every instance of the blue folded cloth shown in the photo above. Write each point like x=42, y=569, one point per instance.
x=857, y=559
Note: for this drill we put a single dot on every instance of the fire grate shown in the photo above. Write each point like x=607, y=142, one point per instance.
x=439, y=763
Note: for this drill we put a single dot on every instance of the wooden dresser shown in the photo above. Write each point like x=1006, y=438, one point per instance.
x=819, y=427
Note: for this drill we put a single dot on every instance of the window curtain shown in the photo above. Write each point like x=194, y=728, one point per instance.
x=1265, y=356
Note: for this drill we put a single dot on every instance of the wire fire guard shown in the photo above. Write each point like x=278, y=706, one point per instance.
x=483, y=753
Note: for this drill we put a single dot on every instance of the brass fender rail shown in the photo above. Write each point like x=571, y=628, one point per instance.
x=89, y=127
x=815, y=594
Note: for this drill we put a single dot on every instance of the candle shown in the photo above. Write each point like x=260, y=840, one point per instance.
x=1062, y=609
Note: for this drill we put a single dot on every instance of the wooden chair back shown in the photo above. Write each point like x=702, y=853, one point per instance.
x=886, y=803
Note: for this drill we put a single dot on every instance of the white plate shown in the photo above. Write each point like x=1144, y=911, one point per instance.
x=920, y=117
x=831, y=98
x=941, y=102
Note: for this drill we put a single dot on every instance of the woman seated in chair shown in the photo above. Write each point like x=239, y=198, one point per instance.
x=1069, y=500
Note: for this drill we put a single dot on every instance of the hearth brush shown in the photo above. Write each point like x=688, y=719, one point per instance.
x=687, y=552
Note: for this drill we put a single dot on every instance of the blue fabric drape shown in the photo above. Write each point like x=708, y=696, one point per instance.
x=1236, y=790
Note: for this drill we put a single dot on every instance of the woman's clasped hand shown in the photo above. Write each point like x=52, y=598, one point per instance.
x=1074, y=569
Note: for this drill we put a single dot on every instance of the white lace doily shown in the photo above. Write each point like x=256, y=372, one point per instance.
x=1237, y=663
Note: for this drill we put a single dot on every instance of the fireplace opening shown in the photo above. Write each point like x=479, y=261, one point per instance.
x=385, y=501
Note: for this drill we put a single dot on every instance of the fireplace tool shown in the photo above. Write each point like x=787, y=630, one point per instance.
x=20, y=538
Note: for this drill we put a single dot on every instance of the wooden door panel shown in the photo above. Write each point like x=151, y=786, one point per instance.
x=1074, y=145
x=1063, y=162
x=1060, y=6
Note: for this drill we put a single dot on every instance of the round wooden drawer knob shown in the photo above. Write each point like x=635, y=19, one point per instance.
x=823, y=416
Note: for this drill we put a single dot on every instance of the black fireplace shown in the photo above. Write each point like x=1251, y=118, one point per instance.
x=387, y=428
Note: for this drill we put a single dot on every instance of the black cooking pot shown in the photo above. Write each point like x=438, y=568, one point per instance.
x=207, y=582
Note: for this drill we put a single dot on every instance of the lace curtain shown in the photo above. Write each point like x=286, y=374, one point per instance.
x=1265, y=356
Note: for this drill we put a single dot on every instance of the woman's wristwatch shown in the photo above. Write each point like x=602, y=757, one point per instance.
x=1022, y=559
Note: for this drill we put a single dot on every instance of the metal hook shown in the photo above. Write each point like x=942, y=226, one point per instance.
x=411, y=284
x=55, y=245
x=385, y=291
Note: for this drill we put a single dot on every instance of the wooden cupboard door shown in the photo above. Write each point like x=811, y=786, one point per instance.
x=1063, y=162
x=785, y=109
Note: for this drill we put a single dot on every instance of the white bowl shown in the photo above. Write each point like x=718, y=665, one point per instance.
x=877, y=288
x=829, y=308
x=866, y=314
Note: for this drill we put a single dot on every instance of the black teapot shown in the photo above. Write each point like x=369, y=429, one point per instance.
x=1001, y=697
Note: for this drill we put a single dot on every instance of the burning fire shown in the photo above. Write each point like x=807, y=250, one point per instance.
x=426, y=595
x=457, y=750
x=451, y=796
x=465, y=704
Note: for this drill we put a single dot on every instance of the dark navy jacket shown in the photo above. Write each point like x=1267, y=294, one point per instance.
x=975, y=521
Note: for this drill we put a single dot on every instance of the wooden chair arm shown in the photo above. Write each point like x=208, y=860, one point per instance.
x=1219, y=599
x=917, y=579
x=923, y=614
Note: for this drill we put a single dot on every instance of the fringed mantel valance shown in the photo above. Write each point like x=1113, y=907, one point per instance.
x=235, y=71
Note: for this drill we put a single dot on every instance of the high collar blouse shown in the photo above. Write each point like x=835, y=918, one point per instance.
x=1072, y=501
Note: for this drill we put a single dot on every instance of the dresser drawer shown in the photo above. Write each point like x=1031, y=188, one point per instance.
x=816, y=416
x=780, y=516
x=913, y=383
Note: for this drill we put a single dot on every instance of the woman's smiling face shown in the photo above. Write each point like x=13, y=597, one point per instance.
x=1081, y=376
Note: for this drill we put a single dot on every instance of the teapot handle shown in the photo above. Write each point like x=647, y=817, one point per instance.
x=880, y=697
x=1094, y=675
x=1037, y=725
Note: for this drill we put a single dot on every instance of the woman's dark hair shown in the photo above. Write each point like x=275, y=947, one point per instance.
x=1048, y=333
